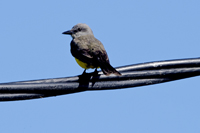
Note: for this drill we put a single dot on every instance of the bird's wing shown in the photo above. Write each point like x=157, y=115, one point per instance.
x=91, y=51
x=80, y=50
x=101, y=56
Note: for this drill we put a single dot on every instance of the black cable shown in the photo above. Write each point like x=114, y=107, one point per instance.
x=132, y=76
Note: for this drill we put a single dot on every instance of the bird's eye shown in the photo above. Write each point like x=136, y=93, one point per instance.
x=79, y=29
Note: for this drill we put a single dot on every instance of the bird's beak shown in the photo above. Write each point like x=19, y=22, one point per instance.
x=69, y=32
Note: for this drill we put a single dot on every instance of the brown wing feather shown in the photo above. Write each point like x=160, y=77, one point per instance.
x=83, y=54
x=105, y=65
x=91, y=51
x=103, y=60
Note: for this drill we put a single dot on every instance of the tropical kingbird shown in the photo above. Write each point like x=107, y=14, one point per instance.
x=88, y=51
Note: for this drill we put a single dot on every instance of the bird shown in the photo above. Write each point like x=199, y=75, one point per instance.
x=88, y=51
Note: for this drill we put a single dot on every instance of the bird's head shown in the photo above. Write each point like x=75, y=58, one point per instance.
x=79, y=30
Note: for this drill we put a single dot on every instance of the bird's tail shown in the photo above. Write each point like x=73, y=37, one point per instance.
x=108, y=69
x=105, y=66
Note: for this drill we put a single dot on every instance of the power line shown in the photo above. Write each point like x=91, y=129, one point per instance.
x=132, y=76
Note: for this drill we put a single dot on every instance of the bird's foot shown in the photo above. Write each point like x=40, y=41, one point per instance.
x=95, y=73
x=84, y=72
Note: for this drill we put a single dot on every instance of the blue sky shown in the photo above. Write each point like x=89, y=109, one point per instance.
x=132, y=31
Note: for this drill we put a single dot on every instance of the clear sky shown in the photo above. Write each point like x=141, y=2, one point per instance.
x=132, y=31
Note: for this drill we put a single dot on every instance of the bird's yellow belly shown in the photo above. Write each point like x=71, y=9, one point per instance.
x=84, y=65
